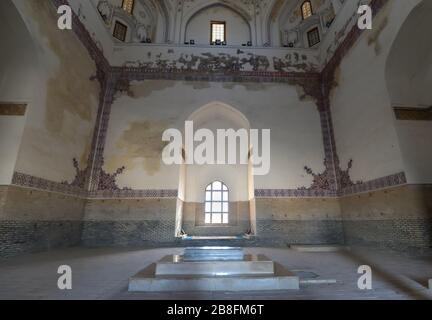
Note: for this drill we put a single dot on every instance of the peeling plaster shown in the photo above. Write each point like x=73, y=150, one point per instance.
x=145, y=88
x=71, y=97
x=140, y=145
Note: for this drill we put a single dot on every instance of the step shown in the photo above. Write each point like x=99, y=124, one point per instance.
x=319, y=248
x=250, y=265
x=191, y=238
x=146, y=281
x=213, y=254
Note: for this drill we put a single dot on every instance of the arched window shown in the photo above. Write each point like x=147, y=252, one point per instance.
x=216, y=203
x=306, y=10
x=128, y=6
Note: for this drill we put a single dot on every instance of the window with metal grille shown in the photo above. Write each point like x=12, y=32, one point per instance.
x=128, y=6
x=216, y=203
x=313, y=37
x=120, y=31
x=218, y=31
x=306, y=9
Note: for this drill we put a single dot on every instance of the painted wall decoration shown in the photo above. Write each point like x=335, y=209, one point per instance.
x=80, y=176
x=228, y=61
x=322, y=181
x=115, y=78
x=107, y=181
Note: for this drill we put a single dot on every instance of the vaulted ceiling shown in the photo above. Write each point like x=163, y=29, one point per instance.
x=270, y=22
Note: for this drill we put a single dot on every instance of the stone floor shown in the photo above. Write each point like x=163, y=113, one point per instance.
x=104, y=273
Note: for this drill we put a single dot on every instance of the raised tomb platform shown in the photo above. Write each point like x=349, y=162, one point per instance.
x=214, y=269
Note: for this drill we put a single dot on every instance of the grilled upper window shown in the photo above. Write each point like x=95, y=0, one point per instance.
x=306, y=9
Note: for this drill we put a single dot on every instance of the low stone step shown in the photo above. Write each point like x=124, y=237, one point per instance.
x=146, y=281
x=319, y=248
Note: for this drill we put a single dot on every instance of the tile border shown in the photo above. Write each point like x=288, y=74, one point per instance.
x=28, y=181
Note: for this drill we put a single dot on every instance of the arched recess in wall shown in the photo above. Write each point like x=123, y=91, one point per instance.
x=271, y=31
x=409, y=77
x=197, y=23
x=238, y=178
x=19, y=61
x=409, y=63
x=162, y=26
x=150, y=20
x=19, y=71
x=285, y=25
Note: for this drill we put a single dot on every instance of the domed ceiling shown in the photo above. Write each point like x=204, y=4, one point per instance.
x=269, y=23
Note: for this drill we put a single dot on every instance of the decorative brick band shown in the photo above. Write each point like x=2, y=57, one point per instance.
x=137, y=74
x=394, y=180
x=28, y=181
x=133, y=194
x=293, y=193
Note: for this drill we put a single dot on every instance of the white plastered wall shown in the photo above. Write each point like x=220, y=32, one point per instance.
x=409, y=78
x=364, y=122
x=62, y=100
x=18, y=74
x=138, y=120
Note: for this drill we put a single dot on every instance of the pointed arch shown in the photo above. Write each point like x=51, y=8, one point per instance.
x=279, y=10
x=189, y=16
x=196, y=178
x=160, y=17
x=405, y=72
x=218, y=108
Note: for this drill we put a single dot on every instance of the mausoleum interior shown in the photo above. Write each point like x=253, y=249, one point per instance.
x=339, y=176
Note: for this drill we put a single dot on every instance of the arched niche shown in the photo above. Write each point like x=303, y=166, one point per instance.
x=408, y=77
x=159, y=12
x=284, y=24
x=19, y=72
x=19, y=63
x=195, y=178
x=197, y=23
x=271, y=28
x=409, y=63
x=150, y=19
